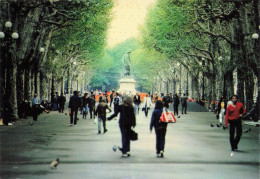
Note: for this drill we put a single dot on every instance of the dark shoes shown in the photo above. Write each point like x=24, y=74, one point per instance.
x=234, y=148
x=160, y=155
x=105, y=130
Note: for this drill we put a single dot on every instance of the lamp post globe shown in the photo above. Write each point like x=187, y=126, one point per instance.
x=15, y=35
x=255, y=36
x=2, y=35
x=8, y=24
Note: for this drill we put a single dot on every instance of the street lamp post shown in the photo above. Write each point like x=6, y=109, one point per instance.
x=203, y=65
x=7, y=66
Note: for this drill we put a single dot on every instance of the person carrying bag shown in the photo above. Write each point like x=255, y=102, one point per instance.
x=160, y=127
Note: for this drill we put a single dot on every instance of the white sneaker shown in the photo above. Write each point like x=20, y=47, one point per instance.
x=124, y=155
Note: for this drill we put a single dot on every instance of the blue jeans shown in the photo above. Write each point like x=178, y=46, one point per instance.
x=85, y=111
x=125, y=140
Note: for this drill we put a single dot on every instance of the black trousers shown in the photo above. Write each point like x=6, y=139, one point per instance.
x=175, y=108
x=235, y=125
x=160, y=139
x=111, y=100
x=35, y=112
x=73, y=116
x=125, y=134
x=146, y=111
x=184, y=107
x=61, y=108
x=91, y=112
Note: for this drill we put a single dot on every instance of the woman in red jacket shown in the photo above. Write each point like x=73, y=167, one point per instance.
x=234, y=115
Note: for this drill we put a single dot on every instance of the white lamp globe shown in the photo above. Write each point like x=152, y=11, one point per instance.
x=8, y=24
x=15, y=35
x=2, y=35
x=255, y=36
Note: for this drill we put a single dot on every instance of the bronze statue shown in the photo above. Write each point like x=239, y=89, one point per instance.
x=126, y=63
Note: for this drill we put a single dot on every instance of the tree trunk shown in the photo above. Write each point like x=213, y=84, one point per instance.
x=26, y=84
x=19, y=89
x=52, y=88
x=42, y=85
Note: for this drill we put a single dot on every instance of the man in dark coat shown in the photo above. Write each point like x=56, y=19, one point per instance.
x=74, y=105
x=101, y=112
x=176, y=101
x=92, y=105
x=184, y=104
x=62, y=101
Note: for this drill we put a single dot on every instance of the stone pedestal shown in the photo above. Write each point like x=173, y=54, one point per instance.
x=127, y=85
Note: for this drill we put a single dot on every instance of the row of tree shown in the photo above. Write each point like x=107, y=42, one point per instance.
x=56, y=39
x=208, y=38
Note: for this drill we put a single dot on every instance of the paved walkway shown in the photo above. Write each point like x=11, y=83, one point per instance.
x=193, y=150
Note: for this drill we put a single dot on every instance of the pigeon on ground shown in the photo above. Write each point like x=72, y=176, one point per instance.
x=211, y=125
x=55, y=163
x=114, y=148
x=65, y=113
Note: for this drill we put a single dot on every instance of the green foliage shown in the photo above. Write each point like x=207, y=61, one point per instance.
x=108, y=69
x=82, y=38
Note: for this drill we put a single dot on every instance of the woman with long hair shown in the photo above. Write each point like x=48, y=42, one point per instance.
x=126, y=121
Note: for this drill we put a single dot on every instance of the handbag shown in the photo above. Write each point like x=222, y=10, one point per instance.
x=167, y=117
x=133, y=135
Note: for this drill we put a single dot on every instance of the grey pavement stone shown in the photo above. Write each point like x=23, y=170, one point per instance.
x=193, y=150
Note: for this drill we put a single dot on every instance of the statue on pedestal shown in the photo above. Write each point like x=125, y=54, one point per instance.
x=126, y=63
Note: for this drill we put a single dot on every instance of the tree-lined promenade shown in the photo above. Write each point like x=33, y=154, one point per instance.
x=204, y=48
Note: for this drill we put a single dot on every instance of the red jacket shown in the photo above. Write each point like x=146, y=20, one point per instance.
x=234, y=113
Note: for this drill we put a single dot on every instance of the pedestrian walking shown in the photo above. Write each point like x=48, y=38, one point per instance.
x=222, y=106
x=116, y=101
x=184, y=104
x=92, y=106
x=126, y=122
x=160, y=128
x=35, y=107
x=62, y=100
x=74, y=105
x=137, y=101
x=166, y=100
x=111, y=97
x=147, y=103
x=234, y=115
x=55, y=102
x=85, y=105
x=101, y=113
x=229, y=101
x=176, y=103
